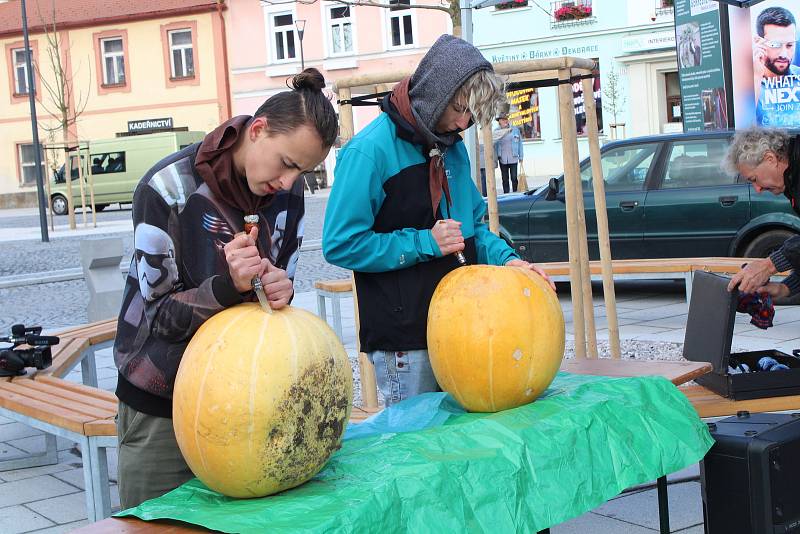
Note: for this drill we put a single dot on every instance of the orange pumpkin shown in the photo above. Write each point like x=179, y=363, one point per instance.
x=261, y=400
x=495, y=336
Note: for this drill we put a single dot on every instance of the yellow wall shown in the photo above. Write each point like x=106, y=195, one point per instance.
x=198, y=107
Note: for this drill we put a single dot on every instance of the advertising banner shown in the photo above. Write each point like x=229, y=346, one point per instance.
x=764, y=64
x=700, y=65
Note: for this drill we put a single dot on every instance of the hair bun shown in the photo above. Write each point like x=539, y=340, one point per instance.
x=310, y=79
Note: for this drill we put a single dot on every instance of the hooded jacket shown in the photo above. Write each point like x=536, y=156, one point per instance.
x=379, y=214
x=788, y=256
x=179, y=277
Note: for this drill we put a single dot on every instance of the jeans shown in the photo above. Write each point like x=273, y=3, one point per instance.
x=507, y=169
x=403, y=374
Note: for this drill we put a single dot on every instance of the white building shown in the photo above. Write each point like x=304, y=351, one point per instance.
x=634, y=39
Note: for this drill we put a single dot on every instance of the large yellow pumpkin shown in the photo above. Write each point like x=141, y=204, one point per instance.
x=495, y=336
x=261, y=400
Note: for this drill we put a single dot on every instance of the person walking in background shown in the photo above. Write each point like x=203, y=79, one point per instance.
x=508, y=149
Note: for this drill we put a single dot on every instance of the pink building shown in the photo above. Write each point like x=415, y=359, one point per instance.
x=264, y=48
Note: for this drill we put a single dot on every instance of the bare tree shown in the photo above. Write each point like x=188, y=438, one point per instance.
x=62, y=104
x=613, y=98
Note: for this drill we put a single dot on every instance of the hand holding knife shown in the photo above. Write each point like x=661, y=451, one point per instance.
x=447, y=234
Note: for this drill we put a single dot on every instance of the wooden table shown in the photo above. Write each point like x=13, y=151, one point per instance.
x=676, y=372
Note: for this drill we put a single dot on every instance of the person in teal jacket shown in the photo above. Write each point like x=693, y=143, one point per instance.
x=403, y=203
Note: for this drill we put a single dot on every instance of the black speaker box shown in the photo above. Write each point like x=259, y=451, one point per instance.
x=750, y=476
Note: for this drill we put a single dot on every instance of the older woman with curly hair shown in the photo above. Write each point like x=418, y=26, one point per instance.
x=769, y=159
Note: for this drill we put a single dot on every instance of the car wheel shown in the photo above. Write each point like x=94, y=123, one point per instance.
x=765, y=244
x=60, y=205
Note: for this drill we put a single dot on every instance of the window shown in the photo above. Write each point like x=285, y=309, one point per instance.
x=27, y=164
x=402, y=31
x=108, y=163
x=283, y=29
x=181, y=54
x=341, y=30
x=20, y=71
x=113, y=61
x=523, y=111
x=624, y=168
x=696, y=164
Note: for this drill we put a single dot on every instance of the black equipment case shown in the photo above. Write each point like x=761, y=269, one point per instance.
x=709, y=333
x=749, y=478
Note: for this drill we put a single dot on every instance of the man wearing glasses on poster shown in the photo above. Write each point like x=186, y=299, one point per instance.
x=776, y=79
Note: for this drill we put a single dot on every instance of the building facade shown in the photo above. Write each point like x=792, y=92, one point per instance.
x=339, y=40
x=128, y=66
x=633, y=43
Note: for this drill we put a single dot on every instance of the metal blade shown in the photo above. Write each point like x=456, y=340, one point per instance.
x=262, y=297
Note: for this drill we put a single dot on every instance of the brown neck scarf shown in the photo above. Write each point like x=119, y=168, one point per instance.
x=437, y=180
x=214, y=163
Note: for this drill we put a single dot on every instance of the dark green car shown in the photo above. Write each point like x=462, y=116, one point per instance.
x=667, y=197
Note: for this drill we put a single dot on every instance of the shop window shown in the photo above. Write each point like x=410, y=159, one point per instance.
x=27, y=164
x=181, y=53
x=523, y=109
x=401, y=25
x=283, y=32
x=341, y=29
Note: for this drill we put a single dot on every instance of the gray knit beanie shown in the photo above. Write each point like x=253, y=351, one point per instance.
x=444, y=69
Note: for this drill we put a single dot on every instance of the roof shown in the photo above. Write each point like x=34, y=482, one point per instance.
x=86, y=13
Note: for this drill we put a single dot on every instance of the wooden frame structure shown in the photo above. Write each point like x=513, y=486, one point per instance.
x=561, y=72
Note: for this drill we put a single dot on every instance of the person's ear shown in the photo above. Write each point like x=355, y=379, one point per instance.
x=258, y=126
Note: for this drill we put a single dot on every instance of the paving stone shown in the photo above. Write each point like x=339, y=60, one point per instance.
x=641, y=508
x=63, y=509
x=30, y=472
x=33, y=489
x=15, y=430
x=36, y=444
x=72, y=476
x=591, y=523
x=15, y=519
x=62, y=529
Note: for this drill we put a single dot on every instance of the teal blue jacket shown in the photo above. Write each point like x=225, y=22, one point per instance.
x=377, y=224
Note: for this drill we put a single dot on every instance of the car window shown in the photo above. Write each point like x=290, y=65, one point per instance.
x=697, y=164
x=108, y=162
x=624, y=168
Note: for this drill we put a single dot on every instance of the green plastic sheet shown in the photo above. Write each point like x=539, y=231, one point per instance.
x=424, y=465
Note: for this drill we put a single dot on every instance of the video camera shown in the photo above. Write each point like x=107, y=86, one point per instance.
x=14, y=360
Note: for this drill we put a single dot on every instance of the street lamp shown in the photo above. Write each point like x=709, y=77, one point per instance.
x=34, y=126
x=300, y=24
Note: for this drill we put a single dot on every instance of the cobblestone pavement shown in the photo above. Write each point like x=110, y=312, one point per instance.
x=62, y=304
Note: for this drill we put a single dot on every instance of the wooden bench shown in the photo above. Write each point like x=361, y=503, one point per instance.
x=654, y=269
x=80, y=413
x=78, y=345
x=334, y=290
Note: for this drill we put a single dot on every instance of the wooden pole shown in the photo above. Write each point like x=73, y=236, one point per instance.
x=83, y=190
x=47, y=185
x=491, y=185
x=601, y=211
x=476, y=174
x=586, y=275
x=569, y=147
x=345, y=116
x=91, y=184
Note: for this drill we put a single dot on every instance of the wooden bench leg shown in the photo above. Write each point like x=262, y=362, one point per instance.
x=89, y=368
x=98, y=500
x=321, y=311
x=337, y=315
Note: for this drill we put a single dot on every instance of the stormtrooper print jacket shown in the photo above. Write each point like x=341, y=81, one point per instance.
x=178, y=276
